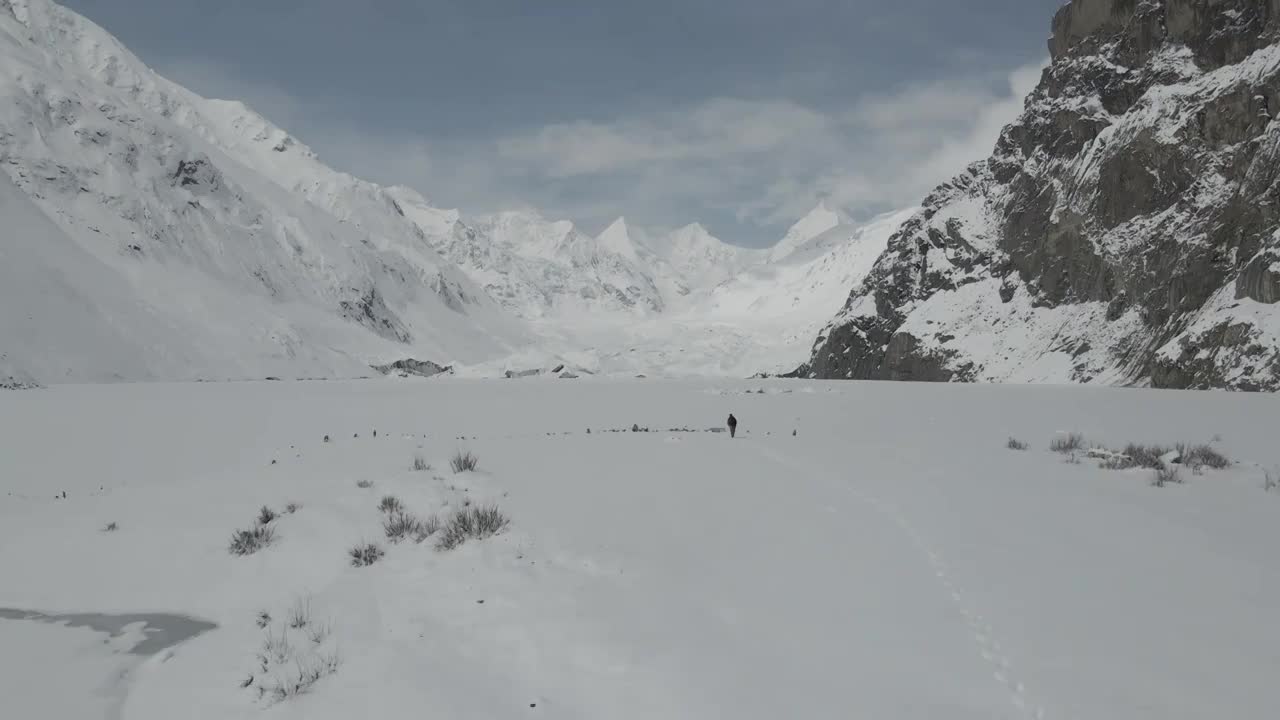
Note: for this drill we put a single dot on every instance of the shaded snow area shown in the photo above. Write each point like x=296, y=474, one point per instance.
x=860, y=550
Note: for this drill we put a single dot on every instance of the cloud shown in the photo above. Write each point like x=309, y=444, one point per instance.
x=716, y=129
x=745, y=167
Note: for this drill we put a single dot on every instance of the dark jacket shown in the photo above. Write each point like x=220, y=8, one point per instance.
x=733, y=421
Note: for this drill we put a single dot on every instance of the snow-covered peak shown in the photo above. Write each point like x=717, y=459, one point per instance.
x=617, y=239
x=693, y=235
x=819, y=220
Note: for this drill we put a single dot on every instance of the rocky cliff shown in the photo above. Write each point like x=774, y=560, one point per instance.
x=1123, y=230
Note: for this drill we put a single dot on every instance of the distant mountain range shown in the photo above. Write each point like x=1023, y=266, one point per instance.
x=155, y=234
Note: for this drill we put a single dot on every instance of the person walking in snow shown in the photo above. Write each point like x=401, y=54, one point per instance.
x=733, y=425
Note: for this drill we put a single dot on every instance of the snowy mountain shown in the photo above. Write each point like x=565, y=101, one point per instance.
x=692, y=259
x=820, y=220
x=539, y=269
x=157, y=234
x=1125, y=229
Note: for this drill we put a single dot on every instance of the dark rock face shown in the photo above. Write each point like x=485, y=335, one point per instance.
x=1123, y=230
x=409, y=366
x=369, y=310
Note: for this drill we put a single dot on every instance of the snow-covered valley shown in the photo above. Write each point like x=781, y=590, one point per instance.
x=891, y=558
x=213, y=505
x=152, y=234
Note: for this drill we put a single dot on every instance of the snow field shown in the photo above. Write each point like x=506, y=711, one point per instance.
x=892, y=559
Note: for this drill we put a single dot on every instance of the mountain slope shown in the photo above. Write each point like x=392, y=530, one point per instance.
x=1123, y=230
x=690, y=259
x=203, y=241
x=760, y=320
x=818, y=221
x=539, y=269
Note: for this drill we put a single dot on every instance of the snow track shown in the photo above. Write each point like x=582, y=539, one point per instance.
x=983, y=635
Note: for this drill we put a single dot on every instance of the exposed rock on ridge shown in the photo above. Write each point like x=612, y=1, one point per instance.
x=1123, y=230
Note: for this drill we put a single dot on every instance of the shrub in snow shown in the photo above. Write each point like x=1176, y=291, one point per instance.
x=248, y=542
x=286, y=669
x=365, y=555
x=319, y=632
x=464, y=462
x=1272, y=480
x=1070, y=443
x=307, y=673
x=1137, y=455
x=1197, y=456
x=471, y=523
x=390, y=504
x=299, y=615
x=111, y=527
x=266, y=516
x=1013, y=444
x=400, y=525
x=429, y=527
x=264, y=618
x=1166, y=475
x=420, y=464
x=292, y=508
x=364, y=484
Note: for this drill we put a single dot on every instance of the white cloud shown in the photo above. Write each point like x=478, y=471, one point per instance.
x=761, y=162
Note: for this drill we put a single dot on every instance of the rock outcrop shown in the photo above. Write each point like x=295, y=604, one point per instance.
x=1124, y=229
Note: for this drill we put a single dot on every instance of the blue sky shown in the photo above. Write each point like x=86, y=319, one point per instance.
x=739, y=114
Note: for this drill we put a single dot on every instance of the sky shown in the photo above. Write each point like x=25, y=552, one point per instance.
x=739, y=114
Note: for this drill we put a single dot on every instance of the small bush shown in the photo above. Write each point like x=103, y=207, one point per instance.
x=263, y=619
x=292, y=508
x=1070, y=443
x=1013, y=444
x=277, y=649
x=1203, y=455
x=308, y=674
x=248, y=542
x=111, y=527
x=1146, y=456
x=420, y=464
x=1135, y=455
x=299, y=615
x=266, y=516
x=1272, y=480
x=401, y=525
x=464, y=462
x=390, y=504
x=1166, y=475
x=429, y=527
x=285, y=670
x=472, y=523
x=364, y=484
x=366, y=554
x=319, y=632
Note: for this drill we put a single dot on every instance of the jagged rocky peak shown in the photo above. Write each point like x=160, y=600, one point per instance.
x=1218, y=31
x=1123, y=230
